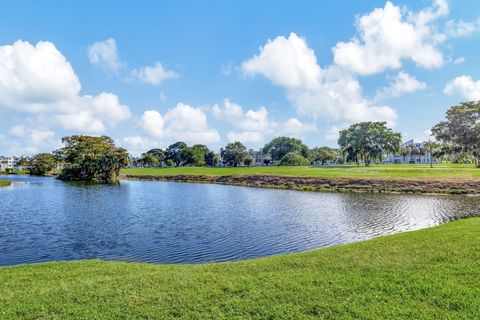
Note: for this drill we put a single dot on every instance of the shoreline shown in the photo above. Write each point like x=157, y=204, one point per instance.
x=5, y=183
x=406, y=274
x=314, y=184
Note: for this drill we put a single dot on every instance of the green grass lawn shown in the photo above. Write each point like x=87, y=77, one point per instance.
x=4, y=183
x=427, y=274
x=14, y=172
x=387, y=171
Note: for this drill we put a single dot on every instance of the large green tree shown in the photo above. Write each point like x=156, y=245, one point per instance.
x=293, y=159
x=175, y=152
x=87, y=158
x=211, y=159
x=323, y=154
x=234, y=153
x=460, y=131
x=198, y=155
x=41, y=164
x=149, y=160
x=368, y=141
x=281, y=146
x=153, y=157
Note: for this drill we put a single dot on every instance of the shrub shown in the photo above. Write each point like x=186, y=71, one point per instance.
x=293, y=159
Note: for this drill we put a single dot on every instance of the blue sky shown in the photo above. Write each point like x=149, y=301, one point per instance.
x=211, y=72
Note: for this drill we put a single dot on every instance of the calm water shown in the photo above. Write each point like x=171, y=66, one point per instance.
x=42, y=219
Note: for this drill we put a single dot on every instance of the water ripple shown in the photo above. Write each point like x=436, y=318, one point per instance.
x=42, y=219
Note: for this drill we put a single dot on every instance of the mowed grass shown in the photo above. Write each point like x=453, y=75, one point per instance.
x=386, y=171
x=427, y=274
x=4, y=183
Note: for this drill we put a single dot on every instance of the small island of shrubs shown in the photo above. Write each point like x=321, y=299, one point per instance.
x=5, y=183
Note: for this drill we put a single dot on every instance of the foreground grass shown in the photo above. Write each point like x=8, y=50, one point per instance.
x=4, y=183
x=428, y=274
x=392, y=171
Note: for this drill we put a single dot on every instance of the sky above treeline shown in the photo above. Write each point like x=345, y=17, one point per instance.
x=212, y=72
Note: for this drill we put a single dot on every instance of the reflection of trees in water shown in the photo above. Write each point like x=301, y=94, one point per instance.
x=95, y=218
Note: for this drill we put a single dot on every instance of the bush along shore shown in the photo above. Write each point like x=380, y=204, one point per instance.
x=5, y=183
x=426, y=274
x=420, y=186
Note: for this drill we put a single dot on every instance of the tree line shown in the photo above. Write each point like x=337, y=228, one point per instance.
x=281, y=150
x=457, y=138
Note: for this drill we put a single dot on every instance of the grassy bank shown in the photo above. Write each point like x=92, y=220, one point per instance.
x=5, y=183
x=442, y=179
x=392, y=171
x=14, y=172
x=428, y=274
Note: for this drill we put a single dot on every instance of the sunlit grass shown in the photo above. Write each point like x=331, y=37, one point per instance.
x=4, y=183
x=386, y=171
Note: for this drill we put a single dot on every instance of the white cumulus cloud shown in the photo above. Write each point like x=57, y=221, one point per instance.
x=287, y=62
x=181, y=123
x=155, y=74
x=464, y=86
x=295, y=127
x=388, y=35
x=331, y=92
x=250, y=120
x=460, y=28
x=38, y=79
x=401, y=84
x=105, y=54
x=246, y=137
x=254, y=126
x=26, y=140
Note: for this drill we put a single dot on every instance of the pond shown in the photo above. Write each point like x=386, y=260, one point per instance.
x=43, y=219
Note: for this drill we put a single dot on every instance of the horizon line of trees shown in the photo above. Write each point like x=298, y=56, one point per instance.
x=281, y=150
x=98, y=159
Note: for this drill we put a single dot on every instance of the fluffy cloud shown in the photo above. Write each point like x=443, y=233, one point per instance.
x=153, y=75
x=287, y=62
x=183, y=122
x=105, y=54
x=388, y=35
x=465, y=87
x=250, y=120
x=35, y=78
x=36, y=136
x=137, y=145
x=246, y=136
x=460, y=28
x=38, y=79
x=294, y=127
x=22, y=139
x=253, y=126
x=331, y=92
x=401, y=84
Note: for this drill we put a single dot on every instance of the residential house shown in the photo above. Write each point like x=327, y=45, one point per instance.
x=412, y=152
x=6, y=163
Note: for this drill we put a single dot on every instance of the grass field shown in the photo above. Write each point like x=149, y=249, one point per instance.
x=427, y=274
x=392, y=171
x=4, y=183
x=14, y=172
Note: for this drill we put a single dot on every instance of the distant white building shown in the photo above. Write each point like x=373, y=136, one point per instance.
x=6, y=163
x=259, y=158
x=412, y=152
